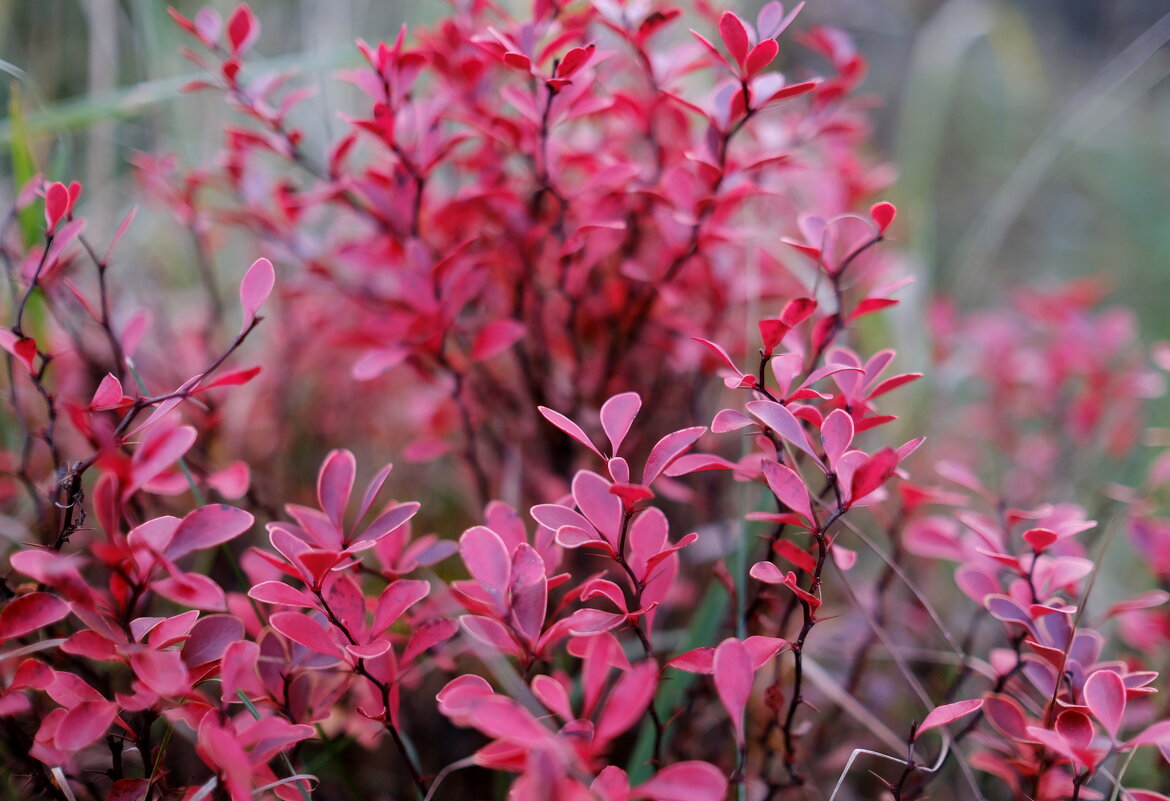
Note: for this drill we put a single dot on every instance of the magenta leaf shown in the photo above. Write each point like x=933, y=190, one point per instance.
x=628, y=700
x=947, y=713
x=395, y=600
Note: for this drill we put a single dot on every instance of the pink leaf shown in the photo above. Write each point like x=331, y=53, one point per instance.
x=628, y=700
x=667, y=449
x=207, y=527
x=836, y=435
x=277, y=592
x=84, y=724
x=789, y=487
x=684, y=781
x=782, y=421
x=948, y=713
x=256, y=286
x=306, y=631
x=395, y=600
x=491, y=632
x=1104, y=694
x=617, y=415
x=733, y=681
x=569, y=427
x=27, y=613
x=487, y=560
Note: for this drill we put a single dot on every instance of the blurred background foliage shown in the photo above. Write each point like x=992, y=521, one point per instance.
x=1031, y=137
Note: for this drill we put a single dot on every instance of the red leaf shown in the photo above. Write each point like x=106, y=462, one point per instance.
x=495, y=338
x=574, y=60
x=872, y=474
x=233, y=379
x=735, y=36
x=242, y=29
x=1040, y=538
x=883, y=214
x=760, y=57
x=948, y=713
x=56, y=204
x=27, y=613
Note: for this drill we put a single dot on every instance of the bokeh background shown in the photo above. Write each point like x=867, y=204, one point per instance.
x=1031, y=137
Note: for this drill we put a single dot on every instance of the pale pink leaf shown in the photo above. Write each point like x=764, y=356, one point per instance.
x=617, y=414
x=569, y=427
x=255, y=289
x=1104, y=694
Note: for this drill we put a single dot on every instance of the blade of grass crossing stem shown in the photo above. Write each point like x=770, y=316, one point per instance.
x=703, y=629
x=24, y=167
x=283, y=755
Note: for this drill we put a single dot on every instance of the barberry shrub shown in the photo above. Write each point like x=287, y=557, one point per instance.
x=523, y=270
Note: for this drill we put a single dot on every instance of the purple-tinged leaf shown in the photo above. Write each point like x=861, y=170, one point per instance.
x=335, y=483
x=729, y=420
